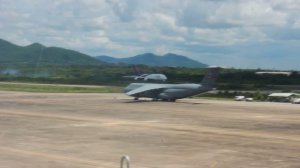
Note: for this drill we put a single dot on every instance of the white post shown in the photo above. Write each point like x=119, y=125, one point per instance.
x=127, y=159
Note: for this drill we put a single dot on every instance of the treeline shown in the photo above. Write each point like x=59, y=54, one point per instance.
x=93, y=74
x=236, y=79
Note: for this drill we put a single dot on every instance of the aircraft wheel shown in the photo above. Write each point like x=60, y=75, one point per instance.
x=169, y=100
x=172, y=100
x=136, y=98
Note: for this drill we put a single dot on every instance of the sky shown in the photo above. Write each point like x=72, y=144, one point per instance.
x=230, y=33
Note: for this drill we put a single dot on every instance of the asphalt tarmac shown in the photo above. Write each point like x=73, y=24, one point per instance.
x=39, y=130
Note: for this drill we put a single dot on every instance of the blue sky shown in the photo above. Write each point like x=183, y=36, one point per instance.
x=232, y=33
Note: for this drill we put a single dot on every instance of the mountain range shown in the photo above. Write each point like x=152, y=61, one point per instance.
x=39, y=54
x=150, y=59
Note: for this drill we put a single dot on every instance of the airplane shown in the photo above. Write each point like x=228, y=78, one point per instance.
x=171, y=92
x=146, y=77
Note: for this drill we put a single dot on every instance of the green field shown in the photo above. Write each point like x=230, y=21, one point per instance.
x=25, y=87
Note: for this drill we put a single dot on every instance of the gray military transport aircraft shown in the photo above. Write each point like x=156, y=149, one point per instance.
x=171, y=92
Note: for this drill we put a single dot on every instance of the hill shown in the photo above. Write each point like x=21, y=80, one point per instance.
x=170, y=60
x=37, y=53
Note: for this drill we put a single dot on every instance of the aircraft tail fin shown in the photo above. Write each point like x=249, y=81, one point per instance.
x=211, y=77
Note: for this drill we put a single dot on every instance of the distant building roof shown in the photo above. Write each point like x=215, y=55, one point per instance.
x=273, y=73
x=282, y=94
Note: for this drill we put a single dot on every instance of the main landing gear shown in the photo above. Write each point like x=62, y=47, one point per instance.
x=155, y=99
x=169, y=100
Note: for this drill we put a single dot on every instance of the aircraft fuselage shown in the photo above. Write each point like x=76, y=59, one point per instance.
x=170, y=91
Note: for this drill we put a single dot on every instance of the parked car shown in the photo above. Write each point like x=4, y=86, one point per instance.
x=296, y=101
x=239, y=98
x=249, y=99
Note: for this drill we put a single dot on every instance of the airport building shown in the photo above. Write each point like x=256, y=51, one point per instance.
x=282, y=97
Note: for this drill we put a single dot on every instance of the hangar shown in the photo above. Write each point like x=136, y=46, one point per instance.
x=282, y=97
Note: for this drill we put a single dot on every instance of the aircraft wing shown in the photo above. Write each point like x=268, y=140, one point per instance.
x=148, y=87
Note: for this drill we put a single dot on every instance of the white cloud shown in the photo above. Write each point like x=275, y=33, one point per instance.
x=129, y=27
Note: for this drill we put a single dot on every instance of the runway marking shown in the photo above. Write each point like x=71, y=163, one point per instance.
x=164, y=126
x=59, y=157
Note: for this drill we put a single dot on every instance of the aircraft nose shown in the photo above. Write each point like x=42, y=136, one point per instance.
x=125, y=90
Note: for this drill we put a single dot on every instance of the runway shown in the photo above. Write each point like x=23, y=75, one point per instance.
x=94, y=130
